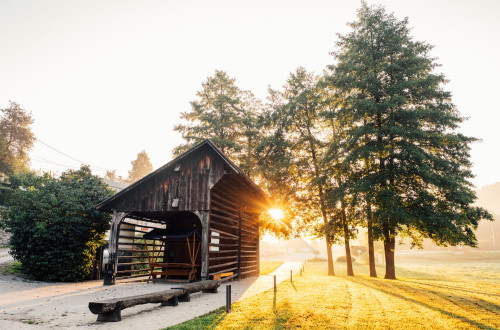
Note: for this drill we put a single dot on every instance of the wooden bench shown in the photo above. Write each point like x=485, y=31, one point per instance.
x=110, y=309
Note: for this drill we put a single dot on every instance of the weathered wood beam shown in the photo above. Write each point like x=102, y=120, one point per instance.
x=110, y=310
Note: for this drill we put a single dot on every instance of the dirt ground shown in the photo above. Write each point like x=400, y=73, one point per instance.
x=26, y=304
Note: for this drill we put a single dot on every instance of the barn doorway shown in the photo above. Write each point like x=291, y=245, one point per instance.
x=134, y=252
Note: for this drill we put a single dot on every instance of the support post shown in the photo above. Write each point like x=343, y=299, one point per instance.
x=205, y=240
x=114, y=232
x=239, y=243
x=275, y=284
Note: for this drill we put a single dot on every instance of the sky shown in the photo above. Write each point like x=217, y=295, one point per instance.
x=107, y=79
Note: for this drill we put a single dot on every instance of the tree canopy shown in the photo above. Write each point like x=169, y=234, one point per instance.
x=16, y=139
x=404, y=128
x=141, y=167
x=225, y=114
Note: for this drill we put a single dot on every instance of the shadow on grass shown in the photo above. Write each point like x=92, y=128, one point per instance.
x=207, y=321
x=454, y=288
x=281, y=316
x=370, y=283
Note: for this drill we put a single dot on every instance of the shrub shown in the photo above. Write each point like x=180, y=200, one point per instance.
x=5, y=193
x=55, y=227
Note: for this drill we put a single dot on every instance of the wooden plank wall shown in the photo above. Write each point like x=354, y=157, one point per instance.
x=237, y=232
x=249, y=244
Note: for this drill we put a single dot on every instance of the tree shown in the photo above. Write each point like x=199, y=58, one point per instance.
x=228, y=116
x=216, y=115
x=251, y=134
x=16, y=139
x=141, y=167
x=343, y=217
x=403, y=128
x=56, y=229
x=299, y=130
x=111, y=175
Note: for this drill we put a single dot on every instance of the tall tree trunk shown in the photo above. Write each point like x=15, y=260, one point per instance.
x=389, y=246
x=322, y=203
x=329, y=256
x=348, y=258
x=371, y=250
x=328, y=243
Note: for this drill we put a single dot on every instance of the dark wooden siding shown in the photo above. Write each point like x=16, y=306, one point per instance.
x=224, y=226
x=186, y=181
x=236, y=228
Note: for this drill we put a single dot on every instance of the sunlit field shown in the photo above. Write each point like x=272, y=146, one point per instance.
x=269, y=266
x=462, y=293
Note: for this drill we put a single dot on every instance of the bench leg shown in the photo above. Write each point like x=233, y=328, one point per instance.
x=185, y=297
x=211, y=290
x=174, y=301
x=112, y=316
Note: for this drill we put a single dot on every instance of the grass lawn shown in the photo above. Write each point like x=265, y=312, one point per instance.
x=269, y=266
x=463, y=293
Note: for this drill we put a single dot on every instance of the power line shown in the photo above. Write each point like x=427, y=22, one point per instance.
x=64, y=154
x=73, y=158
x=53, y=163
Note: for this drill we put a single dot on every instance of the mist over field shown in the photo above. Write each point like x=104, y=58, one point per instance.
x=488, y=235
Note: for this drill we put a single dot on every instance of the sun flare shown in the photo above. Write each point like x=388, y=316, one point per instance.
x=276, y=214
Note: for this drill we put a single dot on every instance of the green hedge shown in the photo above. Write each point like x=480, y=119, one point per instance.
x=55, y=227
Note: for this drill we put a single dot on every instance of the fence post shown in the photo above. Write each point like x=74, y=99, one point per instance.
x=228, y=298
x=274, y=283
x=290, y=276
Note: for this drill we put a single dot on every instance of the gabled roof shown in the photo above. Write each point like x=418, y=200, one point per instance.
x=207, y=142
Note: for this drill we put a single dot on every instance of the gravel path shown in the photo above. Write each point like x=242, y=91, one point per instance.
x=39, y=305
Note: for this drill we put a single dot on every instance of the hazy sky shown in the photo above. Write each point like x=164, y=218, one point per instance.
x=106, y=79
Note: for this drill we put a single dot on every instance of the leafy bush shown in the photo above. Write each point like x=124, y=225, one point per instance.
x=55, y=227
x=5, y=193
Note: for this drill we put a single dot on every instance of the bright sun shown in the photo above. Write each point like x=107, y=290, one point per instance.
x=276, y=214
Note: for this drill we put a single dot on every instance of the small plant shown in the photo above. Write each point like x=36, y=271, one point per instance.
x=13, y=268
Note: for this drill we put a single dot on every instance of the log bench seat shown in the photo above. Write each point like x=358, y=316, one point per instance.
x=110, y=309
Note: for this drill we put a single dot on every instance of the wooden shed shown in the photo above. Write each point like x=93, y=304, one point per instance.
x=201, y=190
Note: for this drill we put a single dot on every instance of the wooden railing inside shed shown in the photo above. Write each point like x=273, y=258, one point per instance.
x=132, y=253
